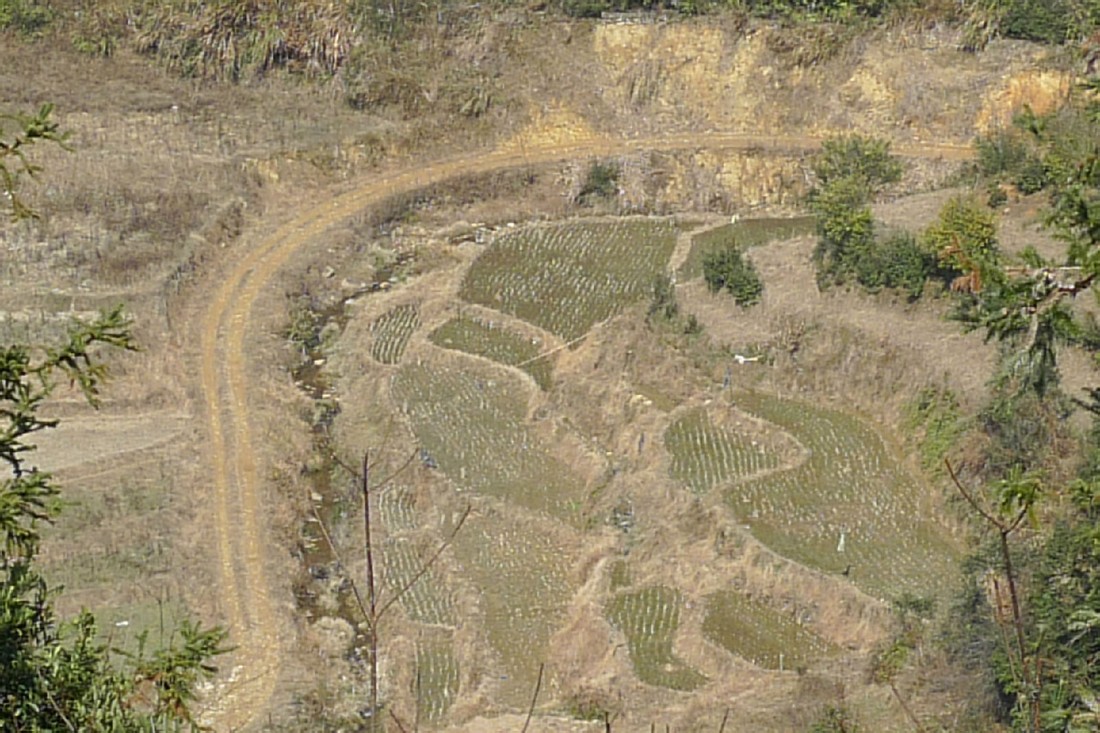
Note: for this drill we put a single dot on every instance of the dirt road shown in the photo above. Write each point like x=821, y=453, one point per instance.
x=243, y=544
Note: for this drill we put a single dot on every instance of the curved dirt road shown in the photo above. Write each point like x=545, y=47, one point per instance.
x=243, y=543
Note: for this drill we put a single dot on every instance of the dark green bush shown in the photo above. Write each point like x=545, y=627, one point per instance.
x=602, y=181
x=857, y=157
x=724, y=268
x=1045, y=21
x=903, y=265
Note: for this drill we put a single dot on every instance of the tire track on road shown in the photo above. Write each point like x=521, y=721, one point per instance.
x=251, y=613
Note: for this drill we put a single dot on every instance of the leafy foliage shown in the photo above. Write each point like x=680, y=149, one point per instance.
x=849, y=170
x=725, y=268
x=53, y=675
x=601, y=182
x=14, y=163
x=859, y=158
x=964, y=243
x=27, y=17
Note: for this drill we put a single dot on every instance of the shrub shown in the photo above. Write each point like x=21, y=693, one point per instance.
x=964, y=242
x=845, y=228
x=1000, y=152
x=663, y=303
x=602, y=181
x=726, y=269
x=903, y=264
x=861, y=158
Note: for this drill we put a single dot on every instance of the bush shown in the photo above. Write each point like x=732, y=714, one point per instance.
x=602, y=181
x=663, y=303
x=725, y=268
x=1001, y=152
x=861, y=158
x=845, y=228
x=964, y=242
x=903, y=265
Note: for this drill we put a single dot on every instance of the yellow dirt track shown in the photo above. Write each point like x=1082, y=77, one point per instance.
x=242, y=540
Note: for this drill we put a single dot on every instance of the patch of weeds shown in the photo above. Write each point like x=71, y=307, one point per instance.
x=933, y=417
x=28, y=18
x=306, y=322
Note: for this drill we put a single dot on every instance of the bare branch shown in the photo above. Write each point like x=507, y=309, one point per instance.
x=426, y=566
x=534, y=698
x=973, y=502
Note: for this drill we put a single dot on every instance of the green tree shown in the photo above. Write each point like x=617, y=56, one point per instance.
x=964, y=242
x=57, y=675
x=725, y=268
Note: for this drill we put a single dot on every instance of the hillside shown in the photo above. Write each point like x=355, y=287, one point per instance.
x=695, y=523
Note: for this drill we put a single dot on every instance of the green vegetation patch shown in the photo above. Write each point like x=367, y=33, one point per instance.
x=567, y=277
x=704, y=455
x=470, y=422
x=742, y=234
x=649, y=618
x=392, y=331
x=437, y=675
x=849, y=504
x=760, y=634
x=494, y=341
x=427, y=600
x=522, y=579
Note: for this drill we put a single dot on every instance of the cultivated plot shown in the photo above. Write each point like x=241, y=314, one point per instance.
x=849, y=508
x=392, y=331
x=744, y=234
x=521, y=576
x=649, y=618
x=470, y=424
x=437, y=678
x=760, y=634
x=495, y=341
x=705, y=455
x=567, y=277
x=427, y=601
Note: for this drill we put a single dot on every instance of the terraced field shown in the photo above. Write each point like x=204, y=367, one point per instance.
x=568, y=277
x=745, y=234
x=759, y=634
x=522, y=578
x=704, y=455
x=470, y=421
x=438, y=678
x=849, y=505
x=428, y=601
x=392, y=331
x=496, y=342
x=649, y=618
x=817, y=486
